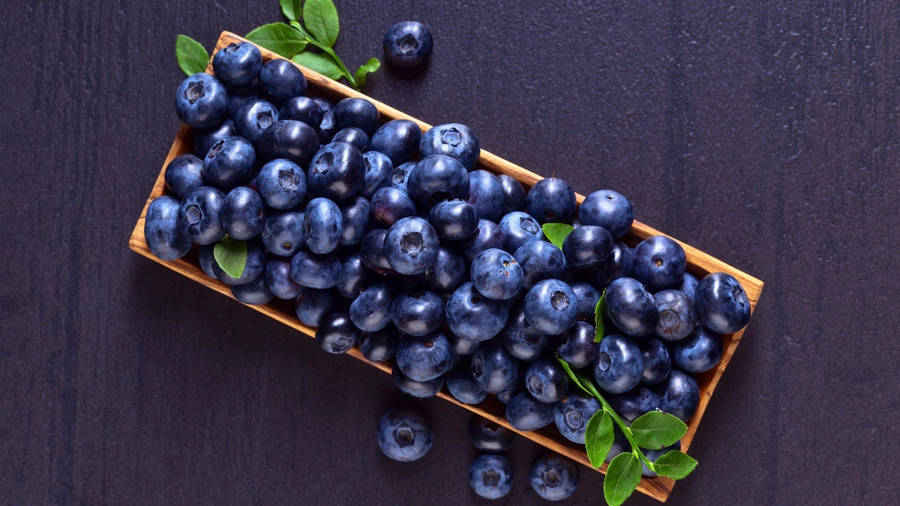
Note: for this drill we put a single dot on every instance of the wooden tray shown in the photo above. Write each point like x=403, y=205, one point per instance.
x=699, y=263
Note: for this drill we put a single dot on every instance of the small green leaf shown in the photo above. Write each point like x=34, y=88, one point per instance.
x=320, y=63
x=598, y=317
x=278, y=37
x=192, y=56
x=655, y=430
x=598, y=437
x=321, y=19
x=622, y=477
x=557, y=232
x=291, y=9
x=231, y=255
x=364, y=70
x=674, y=464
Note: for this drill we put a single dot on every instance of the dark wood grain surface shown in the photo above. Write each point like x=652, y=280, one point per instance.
x=764, y=133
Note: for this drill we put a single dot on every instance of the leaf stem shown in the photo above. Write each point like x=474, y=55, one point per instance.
x=327, y=50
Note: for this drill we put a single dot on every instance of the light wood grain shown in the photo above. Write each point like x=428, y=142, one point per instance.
x=699, y=263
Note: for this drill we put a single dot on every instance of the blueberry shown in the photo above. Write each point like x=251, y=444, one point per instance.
x=354, y=136
x=572, y=413
x=407, y=44
x=513, y=194
x=496, y=274
x=554, y=478
x=464, y=388
x=243, y=213
x=404, y=436
x=447, y=272
x=165, y=232
x=237, y=100
x=659, y=263
x=281, y=80
x=290, y=139
x=522, y=341
x=451, y=139
x=425, y=358
x=313, y=304
x=490, y=476
x=546, y=381
x=689, y=285
x=322, y=225
x=371, y=310
x=620, y=263
x=390, y=204
x=486, y=194
x=578, y=348
x=453, y=219
x=631, y=307
x=436, y=178
x=587, y=246
x=420, y=389
x=493, y=369
x=337, y=171
x=417, y=313
x=281, y=184
x=586, y=297
x=411, y=246
x=254, y=293
x=206, y=259
x=487, y=235
x=657, y=363
x=372, y=251
x=681, y=395
x=525, y=413
x=356, y=112
x=550, y=306
x=183, y=174
x=378, y=171
x=676, y=315
x=204, y=139
x=229, y=163
x=327, y=127
x=400, y=174
x=254, y=267
x=607, y=209
x=619, y=364
x=302, y=109
x=201, y=101
x=398, y=139
x=355, y=217
x=463, y=347
x=472, y=316
x=238, y=64
x=488, y=436
x=655, y=454
x=722, y=304
x=540, y=260
x=283, y=233
x=278, y=279
x=635, y=403
x=551, y=200
x=700, y=352
x=507, y=395
x=315, y=271
x=336, y=333
x=378, y=346
x=354, y=276
x=519, y=228
x=201, y=211
x=253, y=118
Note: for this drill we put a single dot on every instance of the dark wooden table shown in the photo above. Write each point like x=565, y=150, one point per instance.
x=764, y=133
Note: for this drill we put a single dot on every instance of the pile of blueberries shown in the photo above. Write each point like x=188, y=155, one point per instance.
x=390, y=239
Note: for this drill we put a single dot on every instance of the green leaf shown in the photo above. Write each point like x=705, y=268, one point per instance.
x=575, y=377
x=655, y=430
x=231, y=255
x=321, y=19
x=365, y=69
x=598, y=317
x=557, y=232
x=291, y=9
x=278, y=37
x=598, y=437
x=192, y=56
x=622, y=477
x=320, y=63
x=674, y=464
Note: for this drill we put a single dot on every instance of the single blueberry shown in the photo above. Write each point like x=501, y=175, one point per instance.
x=619, y=364
x=391, y=204
x=551, y=200
x=254, y=267
x=237, y=64
x=463, y=347
x=201, y=101
x=356, y=112
x=657, y=363
x=681, y=395
x=417, y=313
x=550, y=306
x=572, y=413
x=183, y=174
x=355, y=218
x=722, y=303
x=378, y=171
x=378, y=346
x=398, y=139
x=519, y=228
x=243, y=213
x=588, y=246
x=436, y=178
x=586, y=297
x=201, y=211
x=607, y=209
x=578, y=347
x=490, y=476
x=302, y=109
x=407, y=44
x=453, y=219
x=278, y=279
x=420, y=389
x=229, y=163
x=473, y=316
x=354, y=136
x=451, y=139
x=371, y=310
x=337, y=171
x=522, y=341
x=496, y=274
x=354, y=276
x=315, y=271
x=493, y=369
x=165, y=232
x=700, y=352
x=554, y=478
x=659, y=263
x=313, y=304
x=411, y=246
x=327, y=127
x=425, y=358
x=463, y=387
x=404, y=436
x=283, y=234
x=290, y=139
x=526, y=414
x=689, y=285
x=546, y=381
x=372, y=251
x=336, y=333
x=204, y=139
x=400, y=174
x=253, y=118
x=540, y=260
x=631, y=307
x=322, y=225
x=281, y=80
x=620, y=263
x=487, y=235
x=513, y=194
x=447, y=272
x=635, y=403
x=281, y=184
x=676, y=315
x=488, y=436
x=254, y=293
x=486, y=194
